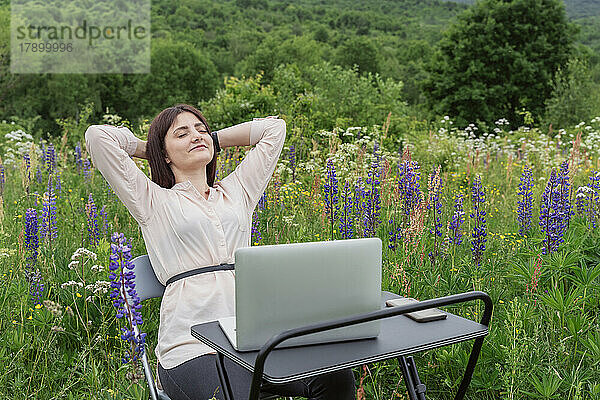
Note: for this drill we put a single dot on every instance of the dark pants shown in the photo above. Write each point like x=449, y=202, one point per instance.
x=197, y=379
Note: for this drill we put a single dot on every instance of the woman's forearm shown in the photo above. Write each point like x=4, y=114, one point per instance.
x=236, y=135
x=245, y=134
x=140, y=150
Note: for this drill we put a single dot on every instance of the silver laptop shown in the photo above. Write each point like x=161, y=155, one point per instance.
x=285, y=286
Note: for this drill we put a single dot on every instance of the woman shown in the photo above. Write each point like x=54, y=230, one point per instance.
x=190, y=221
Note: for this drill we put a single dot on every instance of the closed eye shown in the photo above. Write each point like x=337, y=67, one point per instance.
x=201, y=130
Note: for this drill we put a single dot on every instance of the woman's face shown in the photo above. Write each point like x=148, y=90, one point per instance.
x=182, y=140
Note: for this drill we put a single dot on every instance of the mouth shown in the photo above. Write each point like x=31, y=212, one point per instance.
x=202, y=146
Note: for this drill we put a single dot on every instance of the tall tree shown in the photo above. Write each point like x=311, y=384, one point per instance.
x=499, y=57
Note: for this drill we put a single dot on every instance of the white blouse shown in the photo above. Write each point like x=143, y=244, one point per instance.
x=183, y=230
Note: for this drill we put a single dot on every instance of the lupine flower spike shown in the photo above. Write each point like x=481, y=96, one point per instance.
x=346, y=220
x=92, y=221
x=555, y=209
x=457, y=220
x=409, y=186
x=525, y=202
x=256, y=236
x=36, y=288
x=479, y=233
x=123, y=288
x=331, y=195
x=373, y=199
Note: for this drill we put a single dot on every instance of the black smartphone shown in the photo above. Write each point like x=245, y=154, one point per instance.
x=431, y=314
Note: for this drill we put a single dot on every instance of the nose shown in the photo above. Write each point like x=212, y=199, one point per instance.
x=196, y=136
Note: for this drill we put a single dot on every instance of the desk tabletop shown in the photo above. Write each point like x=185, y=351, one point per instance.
x=399, y=336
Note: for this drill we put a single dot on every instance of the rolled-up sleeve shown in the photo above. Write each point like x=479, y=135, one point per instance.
x=109, y=148
x=255, y=170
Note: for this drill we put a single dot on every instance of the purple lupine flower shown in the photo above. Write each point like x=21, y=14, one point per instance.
x=32, y=274
x=277, y=201
x=395, y=235
x=593, y=208
x=256, y=236
x=346, y=220
x=49, y=214
x=36, y=287
x=292, y=158
x=78, y=161
x=435, y=205
x=38, y=174
x=86, y=170
x=554, y=211
x=525, y=205
x=92, y=221
x=581, y=196
x=565, y=194
x=1, y=179
x=27, y=160
x=262, y=202
x=50, y=159
x=27, y=170
x=102, y=214
x=124, y=296
x=31, y=236
x=109, y=192
x=376, y=155
x=478, y=236
x=409, y=186
x=550, y=215
x=358, y=202
x=330, y=189
x=373, y=200
x=457, y=221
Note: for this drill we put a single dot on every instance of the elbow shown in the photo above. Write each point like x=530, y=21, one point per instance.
x=92, y=134
x=283, y=126
x=282, y=123
x=91, y=131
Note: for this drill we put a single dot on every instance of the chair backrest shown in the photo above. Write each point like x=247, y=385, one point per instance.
x=147, y=285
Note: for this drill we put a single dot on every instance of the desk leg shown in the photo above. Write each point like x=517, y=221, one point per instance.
x=464, y=384
x=223, y=377
x=419, y=386
x=416, y=390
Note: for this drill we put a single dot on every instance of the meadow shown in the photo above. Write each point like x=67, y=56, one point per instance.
x=515, y=214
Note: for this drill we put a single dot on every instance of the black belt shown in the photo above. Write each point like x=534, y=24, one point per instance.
x=220, y=267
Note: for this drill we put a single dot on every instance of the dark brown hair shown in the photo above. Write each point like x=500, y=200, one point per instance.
x=155, y=146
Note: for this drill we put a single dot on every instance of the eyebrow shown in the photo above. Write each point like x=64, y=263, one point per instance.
x=186, y=127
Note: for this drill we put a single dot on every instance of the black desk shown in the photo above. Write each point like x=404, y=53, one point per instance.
x=400, y=336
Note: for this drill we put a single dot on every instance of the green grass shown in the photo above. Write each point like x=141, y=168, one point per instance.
x=543, y=343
